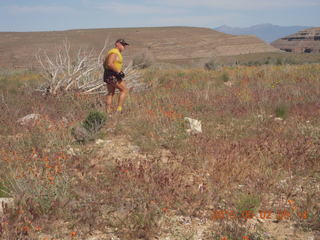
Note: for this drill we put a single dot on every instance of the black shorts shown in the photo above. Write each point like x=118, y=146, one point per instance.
x=111, y=77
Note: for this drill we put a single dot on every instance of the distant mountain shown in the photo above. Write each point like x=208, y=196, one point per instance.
x=266, y=32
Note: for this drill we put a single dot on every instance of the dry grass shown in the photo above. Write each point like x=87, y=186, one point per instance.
x=243, y=143
x=244, y=159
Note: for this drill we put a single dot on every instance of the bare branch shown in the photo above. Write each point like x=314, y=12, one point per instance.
x=77, y=72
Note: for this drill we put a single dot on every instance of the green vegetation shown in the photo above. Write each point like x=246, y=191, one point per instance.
x=225, y=77
x=94, y=121
x=259, y=59
x=281, y=111
x=247, y=202
x=3, y=191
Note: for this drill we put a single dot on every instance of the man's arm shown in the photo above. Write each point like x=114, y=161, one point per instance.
x=110, y=63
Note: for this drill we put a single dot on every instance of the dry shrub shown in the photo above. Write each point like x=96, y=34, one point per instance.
x=35, y=169
x=77, y=71
x=40, y=186
x=143, y=60
x=141, y=192
x=211, y=65
x=241, y=143
x=242, y=150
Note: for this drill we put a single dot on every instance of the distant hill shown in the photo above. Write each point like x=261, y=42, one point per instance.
x=266, y=32
x=305, y=41
x=17, y=49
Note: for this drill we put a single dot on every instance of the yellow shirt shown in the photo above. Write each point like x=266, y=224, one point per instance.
x=118, y=62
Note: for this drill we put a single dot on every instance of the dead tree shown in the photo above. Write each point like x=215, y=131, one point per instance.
x=80, y=72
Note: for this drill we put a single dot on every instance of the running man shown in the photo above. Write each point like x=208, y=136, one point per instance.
x=114, y=76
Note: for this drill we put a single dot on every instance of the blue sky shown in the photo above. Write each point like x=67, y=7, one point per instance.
x=48, y=15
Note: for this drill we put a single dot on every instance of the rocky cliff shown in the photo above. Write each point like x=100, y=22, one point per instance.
x=305, y=41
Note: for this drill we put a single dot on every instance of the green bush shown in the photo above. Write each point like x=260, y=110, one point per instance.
x=281, y=111
x=247, y=202
x=225, y=77
x=3, y=190
x=279, y=61
x=94, y=121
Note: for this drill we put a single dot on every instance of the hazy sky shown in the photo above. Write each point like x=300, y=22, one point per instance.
x=47, y=15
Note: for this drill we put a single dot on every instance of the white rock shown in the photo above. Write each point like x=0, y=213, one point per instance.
x=5, y=202
x=278, y=119
x=30, y=118
x=134, y=148
x=64, y=120
x=45, y=236
x=100, y=141
x=164, y=159
x=71, y=152
x=195, y=126
x=228, y=84
x=99, y=237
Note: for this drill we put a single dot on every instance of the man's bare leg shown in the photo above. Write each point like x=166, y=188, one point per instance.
x=111, y=91
x=123, y=93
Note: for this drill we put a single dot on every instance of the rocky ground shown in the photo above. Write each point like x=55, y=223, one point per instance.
x=107, y=152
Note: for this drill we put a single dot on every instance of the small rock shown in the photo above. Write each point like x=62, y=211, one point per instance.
x=211, y=207
x=46, y=150
x=97, y=235
x=278, y=119
x=100, y=141
x=5, y=202
x=165, y=152
x=64, y=120
x=228, y=84
x=164, y=159
x=45, y=237
x=80, y=133
x=165, y=156
x=29, y=119
x=71, y=152
x=195, y=126
x=134, y=148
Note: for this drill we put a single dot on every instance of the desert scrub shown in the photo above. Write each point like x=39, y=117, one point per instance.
x=13, y=80
x=94, y=121
x=89, y=128
x=211, y=65
x=39, y=180
x=3, y=190
x=232, y=231
x=233, y=141
x=225, y=77
x=247, y=202
x=143, y=60
x=281, y=111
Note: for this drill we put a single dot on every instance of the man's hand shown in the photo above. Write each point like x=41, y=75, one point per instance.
x=121, y=74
